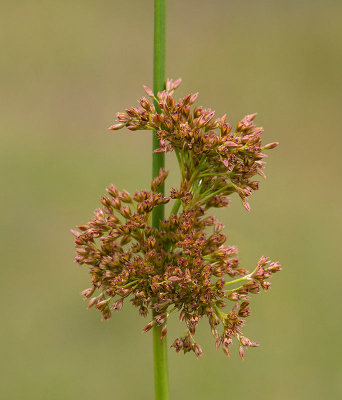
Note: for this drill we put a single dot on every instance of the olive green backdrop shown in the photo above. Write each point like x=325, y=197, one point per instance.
x=66, y=68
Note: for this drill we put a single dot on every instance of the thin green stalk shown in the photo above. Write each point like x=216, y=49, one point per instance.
x=158, y=159
x=161, y=371
x=160, y=348
x=175, y=207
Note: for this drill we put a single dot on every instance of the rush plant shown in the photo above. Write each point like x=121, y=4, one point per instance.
x=180, y=263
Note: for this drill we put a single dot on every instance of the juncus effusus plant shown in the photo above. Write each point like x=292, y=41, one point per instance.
x=180, y=263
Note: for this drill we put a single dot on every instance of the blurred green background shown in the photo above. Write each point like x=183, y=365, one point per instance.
x=66, y=68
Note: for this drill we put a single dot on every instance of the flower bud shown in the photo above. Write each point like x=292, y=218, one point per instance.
x=178, y=344
x=117, y=305
x=246, y=205
x=125, y=197
x=234, y=296
x=116, y=203
x=197, y=349
x=242, y=352
x=170, y=102
x=193, y=98
x=148, y=91
x=274, y=267
x=88, y=292
x=197, y=111
x=163, y=332
x=270, y=146
x=116, y=127
x=113, y=190
x=176, y=83
x=105, y=201
x=148, y=326
x=145, y=103
x=226, y=351
x=123, y=117
x=101, y=305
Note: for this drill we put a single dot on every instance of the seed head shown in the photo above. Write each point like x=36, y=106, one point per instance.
x=184, y=265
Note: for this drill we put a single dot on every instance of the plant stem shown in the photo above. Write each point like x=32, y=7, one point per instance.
x=161, y=370
x=158, y=159
x=175, y=207
x=160, y=348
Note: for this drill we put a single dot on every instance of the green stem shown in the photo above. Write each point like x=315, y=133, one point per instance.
x=175, y=207
x=158, y=159
x=244, y=278
x=160, y=348
x=204, y=199
x=161, y=372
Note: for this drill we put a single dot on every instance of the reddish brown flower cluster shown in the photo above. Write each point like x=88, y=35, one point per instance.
x=184, y=264
x=220, y=162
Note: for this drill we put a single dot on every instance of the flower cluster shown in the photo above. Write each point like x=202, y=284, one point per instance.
x=213, y=157
x=184, y=264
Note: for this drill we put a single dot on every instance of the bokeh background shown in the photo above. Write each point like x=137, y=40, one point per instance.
x=66, y=68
